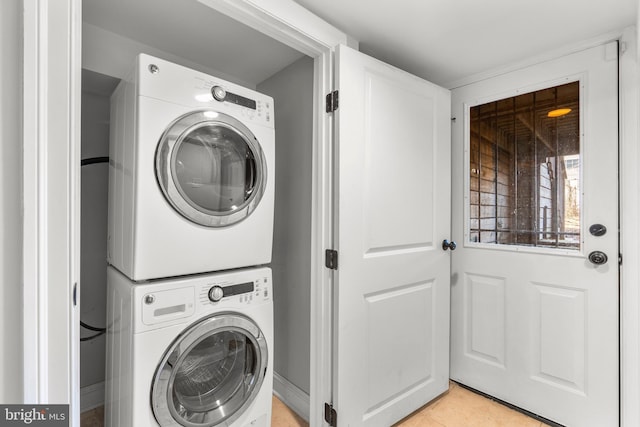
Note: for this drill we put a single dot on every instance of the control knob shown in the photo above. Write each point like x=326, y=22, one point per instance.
x=216, y=293
x=218, y=93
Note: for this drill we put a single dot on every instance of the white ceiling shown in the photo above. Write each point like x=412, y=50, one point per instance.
x=195, y=32
x=445, y=41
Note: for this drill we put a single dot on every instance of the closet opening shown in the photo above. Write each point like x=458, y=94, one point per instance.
x=198, y=37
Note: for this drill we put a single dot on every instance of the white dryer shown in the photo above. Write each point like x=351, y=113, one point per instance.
x=191, y=176
x=193, y=352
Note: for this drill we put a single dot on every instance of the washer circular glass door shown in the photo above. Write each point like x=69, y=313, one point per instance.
x=211, y=168
x=211, y=373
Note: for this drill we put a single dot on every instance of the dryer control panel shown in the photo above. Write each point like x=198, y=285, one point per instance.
x=166, y=81
x=255, y=107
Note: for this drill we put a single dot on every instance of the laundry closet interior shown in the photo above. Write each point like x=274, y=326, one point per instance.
x=200, y=38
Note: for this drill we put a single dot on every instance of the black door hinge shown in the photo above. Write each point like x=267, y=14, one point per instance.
x=330, y=415
x=331, y=259
x=331, y=102
x=619, y=259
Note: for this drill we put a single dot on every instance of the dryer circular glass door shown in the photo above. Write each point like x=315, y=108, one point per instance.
x=211, y=168
x=211, y=373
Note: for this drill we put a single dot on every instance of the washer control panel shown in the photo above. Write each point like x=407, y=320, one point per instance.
x=257, y=291
x=167, y=305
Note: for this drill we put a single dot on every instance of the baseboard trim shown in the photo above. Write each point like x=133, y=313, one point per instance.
x=291, y=396
x=91, y=397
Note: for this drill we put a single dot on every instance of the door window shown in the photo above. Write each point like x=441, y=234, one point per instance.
x=211, y=373
x=215, y=374
x=211, y=168
x=524, y=169
x=214, y=169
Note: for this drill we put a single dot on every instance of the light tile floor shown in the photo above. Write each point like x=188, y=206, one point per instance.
x=282, y=416
x=458, y=407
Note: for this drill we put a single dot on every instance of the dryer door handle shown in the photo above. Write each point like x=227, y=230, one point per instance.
x=250, y=173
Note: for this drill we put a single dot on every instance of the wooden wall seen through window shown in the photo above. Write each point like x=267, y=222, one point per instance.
x=524, y=168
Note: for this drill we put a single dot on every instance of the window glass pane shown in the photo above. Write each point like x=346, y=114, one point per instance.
x=524, y=168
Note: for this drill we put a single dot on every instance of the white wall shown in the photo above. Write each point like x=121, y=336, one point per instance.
x=292, y=90
x=114, y=55
x=10, y=203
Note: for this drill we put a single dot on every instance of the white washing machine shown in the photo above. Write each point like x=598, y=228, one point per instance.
x=191, y=173
x=194, y=351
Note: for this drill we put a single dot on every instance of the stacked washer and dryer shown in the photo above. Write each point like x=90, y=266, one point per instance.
x=191, y=194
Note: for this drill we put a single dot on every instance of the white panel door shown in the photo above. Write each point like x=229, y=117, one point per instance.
x=392, y=285
x=533, y=321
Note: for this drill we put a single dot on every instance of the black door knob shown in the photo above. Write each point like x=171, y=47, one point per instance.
x=449, y=245
x=598, y=258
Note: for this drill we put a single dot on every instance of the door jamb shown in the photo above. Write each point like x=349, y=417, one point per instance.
x=51, y=63
x=629, y=131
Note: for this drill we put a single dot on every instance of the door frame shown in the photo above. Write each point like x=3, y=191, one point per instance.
x=50, y=252
x=629, y=210
x=50, y=200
